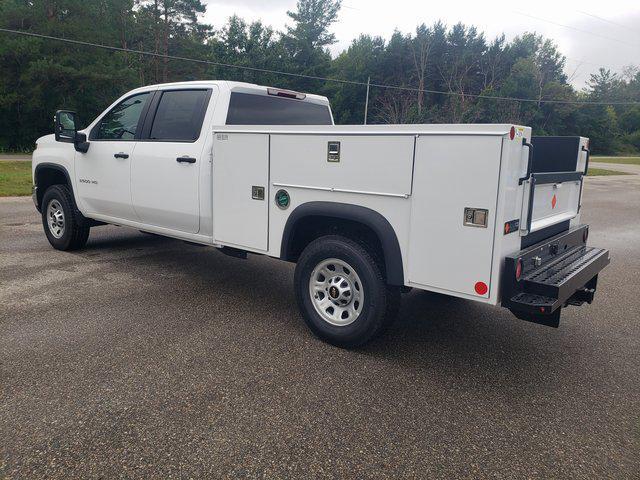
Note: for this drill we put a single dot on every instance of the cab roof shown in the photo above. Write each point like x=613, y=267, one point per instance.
x=232, y=86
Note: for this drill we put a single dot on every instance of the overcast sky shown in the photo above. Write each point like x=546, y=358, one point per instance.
x=614, y=25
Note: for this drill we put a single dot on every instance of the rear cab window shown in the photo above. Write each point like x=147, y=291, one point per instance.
x=179, y=115
x=253, y=109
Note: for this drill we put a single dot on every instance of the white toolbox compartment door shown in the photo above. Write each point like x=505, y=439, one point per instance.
x=452, y=173
x=378, y=164
x=240, y=166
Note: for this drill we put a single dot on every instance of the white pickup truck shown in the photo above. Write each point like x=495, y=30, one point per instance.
x=482, y=212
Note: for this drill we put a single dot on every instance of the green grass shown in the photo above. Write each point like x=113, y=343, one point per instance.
x=622, y=160
x=597, y=172
x=15, y=179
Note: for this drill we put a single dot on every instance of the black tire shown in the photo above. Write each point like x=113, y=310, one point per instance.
x=380, y=301
x=76, y=227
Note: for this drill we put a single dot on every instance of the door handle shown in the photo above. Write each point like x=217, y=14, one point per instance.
x=121, y=155
x=186, y=159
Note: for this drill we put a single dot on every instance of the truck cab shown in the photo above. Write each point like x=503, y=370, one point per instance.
x=149, y=148
x=487, y=213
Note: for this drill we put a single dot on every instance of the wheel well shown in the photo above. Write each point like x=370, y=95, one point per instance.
x=315, y=219
x=309, y=228
x=47, y=175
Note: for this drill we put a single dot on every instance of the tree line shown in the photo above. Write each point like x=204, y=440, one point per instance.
x=38, y=76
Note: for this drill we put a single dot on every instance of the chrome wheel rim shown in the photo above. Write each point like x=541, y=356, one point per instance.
x=336, y=292
x=55, y=218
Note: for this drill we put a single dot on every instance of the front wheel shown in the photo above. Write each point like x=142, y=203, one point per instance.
x=64, y=225
x=342, y=293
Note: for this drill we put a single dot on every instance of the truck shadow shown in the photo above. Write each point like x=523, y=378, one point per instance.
x=433, y=332
x=465, y=340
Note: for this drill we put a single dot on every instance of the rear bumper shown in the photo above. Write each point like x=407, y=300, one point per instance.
x=555, y=273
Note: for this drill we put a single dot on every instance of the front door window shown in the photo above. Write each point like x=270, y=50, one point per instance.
x=122, y=121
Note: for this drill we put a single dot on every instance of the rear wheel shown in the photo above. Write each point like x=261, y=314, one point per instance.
x=64, y=225
x=342, y=293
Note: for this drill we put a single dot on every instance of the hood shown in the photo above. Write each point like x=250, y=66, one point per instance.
x=51, y=138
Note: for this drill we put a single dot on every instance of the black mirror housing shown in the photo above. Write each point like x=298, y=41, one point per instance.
x=66, y=130
x=65, y=126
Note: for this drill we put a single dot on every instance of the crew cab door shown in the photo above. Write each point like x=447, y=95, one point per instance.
x=165, y=171
x=102, y=173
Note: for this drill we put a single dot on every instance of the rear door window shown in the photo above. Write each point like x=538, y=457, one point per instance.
x=179, y=115
x=248, y=109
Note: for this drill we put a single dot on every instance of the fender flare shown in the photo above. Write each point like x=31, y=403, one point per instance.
x=366, y=216
x=52, y=166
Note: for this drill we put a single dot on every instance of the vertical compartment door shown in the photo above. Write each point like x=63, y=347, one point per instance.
x=451, y=174
x=241, y=190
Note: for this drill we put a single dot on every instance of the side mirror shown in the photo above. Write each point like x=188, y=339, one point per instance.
x=66, y=130
x=65, y=126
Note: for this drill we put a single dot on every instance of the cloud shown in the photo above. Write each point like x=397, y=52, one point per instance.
x=607, y=45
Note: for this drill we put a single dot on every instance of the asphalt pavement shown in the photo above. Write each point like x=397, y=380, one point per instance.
x=145, y=357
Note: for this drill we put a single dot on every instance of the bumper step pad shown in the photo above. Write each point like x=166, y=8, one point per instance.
x=561, y=271
x=567, y=280
x=533, y=300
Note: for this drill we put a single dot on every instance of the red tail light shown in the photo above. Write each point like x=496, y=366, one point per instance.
x=518, y=268
x=512, y=133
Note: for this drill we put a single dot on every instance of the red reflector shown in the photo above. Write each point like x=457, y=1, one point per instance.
x=518, y=269
x=512, y=133
x=507, y=228
x=481, y=288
